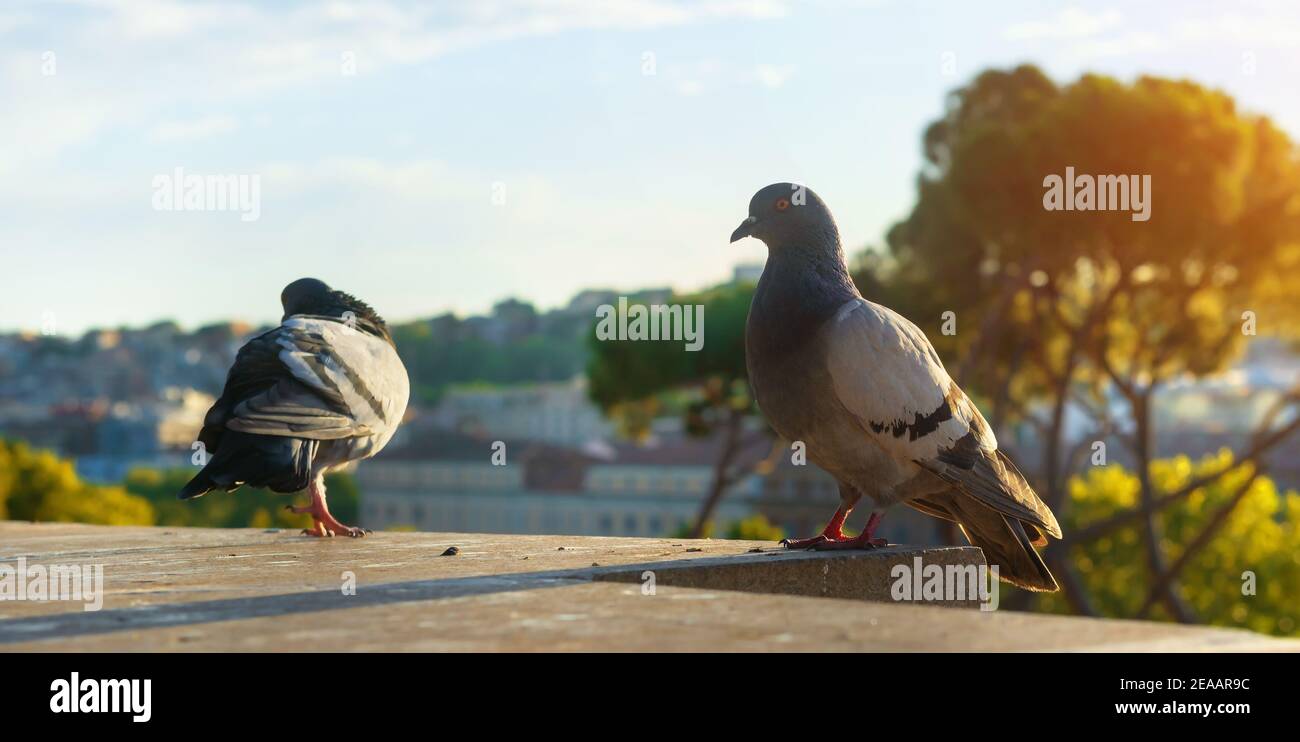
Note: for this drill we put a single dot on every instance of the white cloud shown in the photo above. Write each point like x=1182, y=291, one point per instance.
x=1069, y=23
x=217, y=55
x=773, y=76
x=1107, y=34
x=690, y=88
x=195, y=129
x=1125, y=44
x=9, y=21
x=1260, y=30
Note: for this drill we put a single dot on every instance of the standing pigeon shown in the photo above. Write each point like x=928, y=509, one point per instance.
x=864, y=390
x=324, y=388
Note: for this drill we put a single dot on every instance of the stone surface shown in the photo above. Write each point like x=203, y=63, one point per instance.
x=174, y=589
x=861, y=575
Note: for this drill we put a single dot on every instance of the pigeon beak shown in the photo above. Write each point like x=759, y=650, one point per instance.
x=744, y=230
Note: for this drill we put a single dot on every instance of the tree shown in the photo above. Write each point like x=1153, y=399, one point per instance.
x=1084, y=307
x=632, y=379
x=754, y=528
x=1241, y=538
x=40, y=486
x=523, y=347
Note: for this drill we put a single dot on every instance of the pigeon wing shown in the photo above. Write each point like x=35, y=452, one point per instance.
x=300, y=380
x=886, y=374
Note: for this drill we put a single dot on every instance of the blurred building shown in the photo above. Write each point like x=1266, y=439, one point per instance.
x=157, y=434
x=558, y=413
x=747, y=273
x=443, y=481
x=585, y=302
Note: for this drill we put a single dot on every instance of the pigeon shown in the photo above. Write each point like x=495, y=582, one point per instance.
x=865, y=391
x=324, y=388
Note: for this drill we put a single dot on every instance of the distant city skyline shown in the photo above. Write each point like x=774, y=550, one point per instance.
x=443, y=159
x=586, y=301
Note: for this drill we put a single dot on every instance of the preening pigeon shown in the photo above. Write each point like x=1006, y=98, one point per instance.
x=324, y=388
x=864, y=390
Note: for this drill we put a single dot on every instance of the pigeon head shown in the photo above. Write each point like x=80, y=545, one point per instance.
x=789, y=214
x=305, y=296
x=315, y=297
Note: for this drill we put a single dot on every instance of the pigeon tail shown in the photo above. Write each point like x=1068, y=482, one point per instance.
x=1005, y=543
x=279, y=463
x=199, y=486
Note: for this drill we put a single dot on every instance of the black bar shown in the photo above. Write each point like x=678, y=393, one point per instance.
x=978, y=692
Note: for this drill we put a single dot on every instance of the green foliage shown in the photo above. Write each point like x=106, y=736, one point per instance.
x=1153, y=298
x=629, y=370
x=632, y=379
x=683, y=530
x=40, y=486
x=1261, y=536
x=437, y=358
x=1058, y=308
x=755, y=528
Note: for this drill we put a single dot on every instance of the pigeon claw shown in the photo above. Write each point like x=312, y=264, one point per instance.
x=317, y=530
x=805, y=543
x=324, y=525
x=321, y=531
x=822, y=543
x=852, y=543
x=832, y=539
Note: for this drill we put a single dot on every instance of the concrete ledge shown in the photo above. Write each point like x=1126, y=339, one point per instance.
x=854, y=575
x=175, y=589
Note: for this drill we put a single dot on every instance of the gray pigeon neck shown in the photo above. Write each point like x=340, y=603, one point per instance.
x=818, y=274
x=800, y=290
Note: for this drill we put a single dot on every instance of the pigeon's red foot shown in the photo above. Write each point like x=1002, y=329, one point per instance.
x=834, y=540
x=833, y=532
x=807, y=543
x=320, y=530
x=323, y=523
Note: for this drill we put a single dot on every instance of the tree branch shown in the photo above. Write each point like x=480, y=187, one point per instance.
x=1105, y=527
x=720, y=469
x=1161, y=583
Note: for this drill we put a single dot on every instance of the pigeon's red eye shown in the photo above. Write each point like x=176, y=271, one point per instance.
x=782, y=204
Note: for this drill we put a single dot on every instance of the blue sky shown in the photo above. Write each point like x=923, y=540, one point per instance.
x=381, y=182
